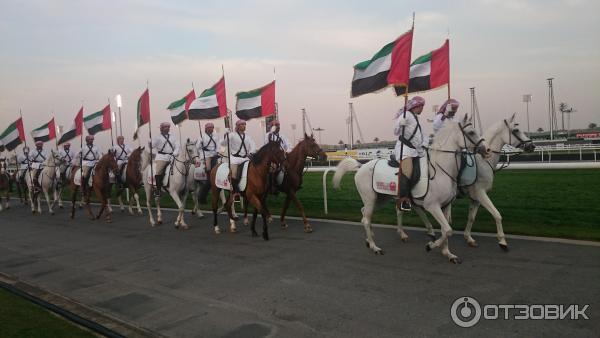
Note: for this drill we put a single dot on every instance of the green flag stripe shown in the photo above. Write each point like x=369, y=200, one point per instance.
x=387, y=49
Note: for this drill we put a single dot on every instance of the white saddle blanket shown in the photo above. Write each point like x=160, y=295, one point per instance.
x=200, y=172
x=385, y=179
x=151, y=179
x=77, y=178
x=222, y=179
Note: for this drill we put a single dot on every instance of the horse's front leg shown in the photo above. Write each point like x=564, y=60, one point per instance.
x=485, y=201
x=307, y=228
x=257, y=203
x=137, y=201
x=215, y=208
x=148, y=191
x=180, y=202
x=286, y=205
x=446, y=230
x=50, y=205
x=421, y=212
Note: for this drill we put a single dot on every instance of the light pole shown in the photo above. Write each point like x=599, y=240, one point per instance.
x=294, y=132
x=119, y=104
x=527, y=99
x=319, y=129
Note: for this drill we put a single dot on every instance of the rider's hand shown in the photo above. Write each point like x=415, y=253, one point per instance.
x=402, y=121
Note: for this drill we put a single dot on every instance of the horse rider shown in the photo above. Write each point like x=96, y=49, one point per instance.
x=66, y=156
x=409, y=146
x=121, y=151
x=445, y=113
x=166, y=147
x=241, y=146
x=208, y=148
x=38, y=157
x=274, y=135
x=24, y=163
x=90, y=156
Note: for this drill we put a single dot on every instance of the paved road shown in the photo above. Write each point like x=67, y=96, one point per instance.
x=196, y=284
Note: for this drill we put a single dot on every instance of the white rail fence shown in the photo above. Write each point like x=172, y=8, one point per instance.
x=511, y=166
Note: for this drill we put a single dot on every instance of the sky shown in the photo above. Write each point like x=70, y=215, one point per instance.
x=57, y=55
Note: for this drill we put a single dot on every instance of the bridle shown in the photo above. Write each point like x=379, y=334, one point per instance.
x=514, y=132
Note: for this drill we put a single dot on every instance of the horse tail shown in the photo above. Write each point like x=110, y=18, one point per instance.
x=344, y=166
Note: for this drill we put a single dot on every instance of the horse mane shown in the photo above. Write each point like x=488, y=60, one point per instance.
x=261, y=153
x=494, y=131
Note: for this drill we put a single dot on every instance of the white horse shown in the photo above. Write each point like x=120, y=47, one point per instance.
x=444, y=157
x=501, y=133
x=48, y=182
x=178, y=179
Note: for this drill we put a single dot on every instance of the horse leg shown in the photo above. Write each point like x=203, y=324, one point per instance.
x=428, y=225
x=307, y=228
x=246, y=214
x=87, y=204
x=473, y=208
x=400, y=228
x=485, y=201
x=59, y=197
x=137, y=202
x=257, y=203
x=47, y=195
x=180, y=221
x=253, y=223
x=120, y=199
x=229, y=207
x=286, y=205
x=74, y=200
x=148, y=191
x=446, y=230
x=215, y=205
x=367, y=212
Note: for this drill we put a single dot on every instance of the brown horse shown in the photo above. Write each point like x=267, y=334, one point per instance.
x=100, y=184
x=4, y=184
x=256, y=186
x=292, y=179
x=132, y=179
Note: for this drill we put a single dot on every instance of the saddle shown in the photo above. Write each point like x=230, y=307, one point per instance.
x=222, y=178
x=467, y=175
x=77, y=179
x=385, y=177
x=200, y=173
x=166, y=178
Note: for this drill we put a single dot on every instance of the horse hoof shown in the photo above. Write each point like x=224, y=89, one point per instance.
x=367, y=244
x=184, y=227
x=254, y=234
x=308, y=229
x=379, y=252
x=404, y=239
x=159, y=222
x=432, y=237
x=235, y=218
x=265, y=236
x=284, y=225
x=474, y=244
x=61, y=207
x=217, y=231
x=504, y=247
x=428, y=247
x=176, y=226
x=52, y=213
x=270, y=220
x=109, y=221
x=456, y=260
x=233, y=230
x=192, y=212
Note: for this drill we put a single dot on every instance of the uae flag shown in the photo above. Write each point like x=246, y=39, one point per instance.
x=13, y=135
x=98, y=121
x=429, y=71
x=211, y=104
x=45, y=133
x=256, y=103
x=75, y=130
x=179, y=109
x=389, y=66
x=143, y=112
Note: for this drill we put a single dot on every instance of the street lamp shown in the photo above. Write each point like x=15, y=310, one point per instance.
x=119, y=105
x=319, y=129
x=527, y=99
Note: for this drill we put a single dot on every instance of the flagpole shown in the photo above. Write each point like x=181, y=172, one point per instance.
x=28, y=157
x=112, y=142
x=403, y=128
x=55, y=138
x=229, y=120
x=150, y=135
x=448, y=39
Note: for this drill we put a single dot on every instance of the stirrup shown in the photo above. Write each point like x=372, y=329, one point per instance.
x=405, y=206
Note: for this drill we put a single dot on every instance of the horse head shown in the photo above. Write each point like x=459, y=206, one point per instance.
x=191, y=151
x=476, y=143
x=270, y=153
x=311, y=148
x=515, y=137
x=110, y=160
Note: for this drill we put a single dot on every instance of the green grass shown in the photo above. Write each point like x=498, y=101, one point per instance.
x=550, y=203
x=20, y=318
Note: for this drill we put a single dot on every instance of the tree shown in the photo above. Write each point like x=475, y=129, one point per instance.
x=358, y=142
x=340, y=142
x=592, y=125
x=376, y=139
x=540, y=130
